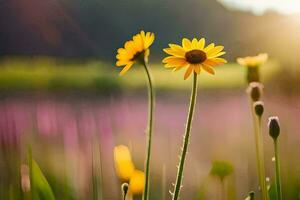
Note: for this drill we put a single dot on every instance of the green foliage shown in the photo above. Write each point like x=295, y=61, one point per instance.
x=272, y=192
x=53, y=74
x=41, y=185
x=40, y=188
x=221, y=169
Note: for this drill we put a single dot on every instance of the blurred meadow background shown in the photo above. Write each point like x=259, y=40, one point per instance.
x=61, y=96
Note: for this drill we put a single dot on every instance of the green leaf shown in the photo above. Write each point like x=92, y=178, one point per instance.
x=41, y=184
x=40, y=188
x=272, y=192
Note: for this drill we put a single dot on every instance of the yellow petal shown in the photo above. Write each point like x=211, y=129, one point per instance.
x=136, y=183
x=169, y=66
x=241, y=61
x=201, y=43
x=149, y=38
x=218, y=60
x=197, y=68
x=143, y=34
x=177, y=53
x=126, y=68
x=208, y=69
x=218, y=55
x=210, y=62
x=175, y=60
x=124, y=170
x=121, y=50
x=187, y=44
x=122, y=153
x=214, y=51
x=120, y=63
x=123, y=56
x=194, y=43
x=176, y=47
x=166, y=59
x=188, y=72
x=180, y=67
x=138, y=42
x=146, y=55
x=179, y=63
x=209, y=47
x=130, y=47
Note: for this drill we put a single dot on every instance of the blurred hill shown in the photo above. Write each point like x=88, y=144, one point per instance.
x=96, y=28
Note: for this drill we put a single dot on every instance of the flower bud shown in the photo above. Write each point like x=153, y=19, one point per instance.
x=274, y=128
x=259, y=108
x=255, y=90
x=25, y=179
x=251, y=195
x=124, y=188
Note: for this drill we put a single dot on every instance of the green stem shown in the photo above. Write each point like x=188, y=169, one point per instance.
x=149, y=132
x=223, y=190
x=259, y=153
x=32, y=189
x=260, y=149
x=278, y=177
x=186, y=139
x=164, y=182
x=124, y=196
x=94, y=178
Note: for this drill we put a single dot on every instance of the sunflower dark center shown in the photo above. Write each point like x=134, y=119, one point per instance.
x=137, y=55
x=195, y=56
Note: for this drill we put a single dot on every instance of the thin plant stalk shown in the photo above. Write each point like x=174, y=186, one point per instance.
x=97, y=178
x=186, y=139
x=94, y=178
x=164, y=182
x=149, y=131
x=277, y=167
x=124, y=197
x=223, y=189
x=259, y=153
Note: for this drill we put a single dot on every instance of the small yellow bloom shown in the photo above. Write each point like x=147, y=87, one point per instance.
x=123, y=163
x=134, y=50
x=194, y=56
x=126, y=170
x=136, y=183
x=253, y=61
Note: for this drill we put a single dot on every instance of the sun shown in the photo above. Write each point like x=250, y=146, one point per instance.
x=261, y=6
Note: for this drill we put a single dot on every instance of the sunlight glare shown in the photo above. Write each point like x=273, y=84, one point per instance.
x=259, y=7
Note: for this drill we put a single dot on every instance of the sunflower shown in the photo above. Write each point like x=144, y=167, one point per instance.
x=134, y=50
x=194, y=56
x=253, y=61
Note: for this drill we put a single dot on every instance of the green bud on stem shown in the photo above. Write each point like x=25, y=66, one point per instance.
x=124, y=188
x=255, y=90
x=258, y=108
x=274, y=127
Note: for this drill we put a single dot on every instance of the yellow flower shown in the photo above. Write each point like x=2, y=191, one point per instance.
x=253, y=61
x=194, y=56
x=134, y=50
x=136, y=183
x=123, y=163
x=126, y=170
